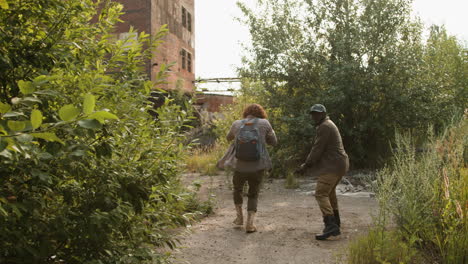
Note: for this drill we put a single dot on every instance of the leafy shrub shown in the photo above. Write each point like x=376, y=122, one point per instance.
x=380, y=246
x=425, y=195
x=87, y=175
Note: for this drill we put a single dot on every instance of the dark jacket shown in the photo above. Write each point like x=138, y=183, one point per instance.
x=328, y=154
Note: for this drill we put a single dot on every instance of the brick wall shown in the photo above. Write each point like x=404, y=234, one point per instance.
x=213, y=102
x=149, y=16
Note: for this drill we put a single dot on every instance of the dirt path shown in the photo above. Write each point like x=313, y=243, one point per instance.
x=287, y=221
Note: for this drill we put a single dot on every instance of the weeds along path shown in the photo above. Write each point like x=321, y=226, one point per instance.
x=287, y=221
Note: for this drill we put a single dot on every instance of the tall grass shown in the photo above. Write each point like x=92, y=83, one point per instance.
x=423, y=197
x=204, y=160
x=291, y=181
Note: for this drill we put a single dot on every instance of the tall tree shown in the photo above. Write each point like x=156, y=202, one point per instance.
x=363, y=59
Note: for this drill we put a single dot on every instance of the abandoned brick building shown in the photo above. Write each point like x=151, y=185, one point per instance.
x=179, y=43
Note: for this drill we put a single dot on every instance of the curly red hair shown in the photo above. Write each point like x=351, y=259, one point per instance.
x=254, y=110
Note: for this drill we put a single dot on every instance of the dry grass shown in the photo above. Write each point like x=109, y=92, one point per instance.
x=204, y=160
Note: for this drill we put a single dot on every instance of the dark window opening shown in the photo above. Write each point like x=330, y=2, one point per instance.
x=189, y=62
x=184, y=17
x=184, y=54
x=189, y=22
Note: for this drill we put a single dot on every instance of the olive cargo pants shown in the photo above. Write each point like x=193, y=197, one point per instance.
x=254, y=179
x=325, y=192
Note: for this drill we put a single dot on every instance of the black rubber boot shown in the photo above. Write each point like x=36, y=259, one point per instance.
x=336, y=213
x=331, y=228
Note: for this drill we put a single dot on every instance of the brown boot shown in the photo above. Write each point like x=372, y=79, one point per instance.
x=249, y=226
x=240, y=218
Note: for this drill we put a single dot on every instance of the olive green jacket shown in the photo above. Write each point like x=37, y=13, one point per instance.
x=328, y=154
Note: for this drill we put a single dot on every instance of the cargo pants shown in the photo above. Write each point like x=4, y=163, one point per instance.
x=254, y=179
x=325, y=192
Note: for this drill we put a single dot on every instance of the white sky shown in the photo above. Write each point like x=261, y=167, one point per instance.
x=219, y=36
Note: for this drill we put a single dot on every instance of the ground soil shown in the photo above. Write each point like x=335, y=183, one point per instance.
x=287, y=221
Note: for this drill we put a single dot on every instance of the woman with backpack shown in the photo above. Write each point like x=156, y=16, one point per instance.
x=248, y=158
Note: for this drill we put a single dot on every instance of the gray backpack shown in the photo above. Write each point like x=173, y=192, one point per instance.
x=248, y=144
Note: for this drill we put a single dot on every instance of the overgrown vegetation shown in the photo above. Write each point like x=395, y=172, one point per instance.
x=366, y=61
x=291, y=181
x=203, y=159
x=87, y=174
x=423, y=198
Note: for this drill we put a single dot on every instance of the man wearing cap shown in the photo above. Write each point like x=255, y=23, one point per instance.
x=329, y=157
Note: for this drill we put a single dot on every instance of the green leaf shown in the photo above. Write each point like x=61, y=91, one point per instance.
x=40, y=80
x=68, y=112
x=3, y=144
x=43, y=176
x=48, y=92
x=103, y=115
x=36, y=118
x=78, y=153
x=13, y=114
x=16, y=125
x=89, y=104
x=24, y=138
x=49, y=136
x=4, y=4
x=45, y=156
x=26, y=87
x=31, y=100
x=4, y=108
x=5, y=213
x=90, y=124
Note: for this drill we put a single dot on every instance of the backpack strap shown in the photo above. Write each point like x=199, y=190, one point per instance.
x=243, y=124
x=255, y=120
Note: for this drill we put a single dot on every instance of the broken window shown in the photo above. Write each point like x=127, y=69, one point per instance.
x=184, y=54
x=189, y=62
x=189, y=22
x=184, y=17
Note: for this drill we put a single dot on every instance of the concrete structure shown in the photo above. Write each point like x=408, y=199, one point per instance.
x=178, y=47
x=212, y=102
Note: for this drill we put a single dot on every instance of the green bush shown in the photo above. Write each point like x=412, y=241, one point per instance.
x=424, y=193
x=87, y=175
x=381, y=247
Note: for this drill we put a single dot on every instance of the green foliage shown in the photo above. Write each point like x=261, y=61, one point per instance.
x=425, y=194
x=87, y=175
x=366, y=61
x=203, y=160
x=382, y=247
x=291, y=181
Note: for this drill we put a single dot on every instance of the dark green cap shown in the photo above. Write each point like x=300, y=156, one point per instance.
x=318, y=108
